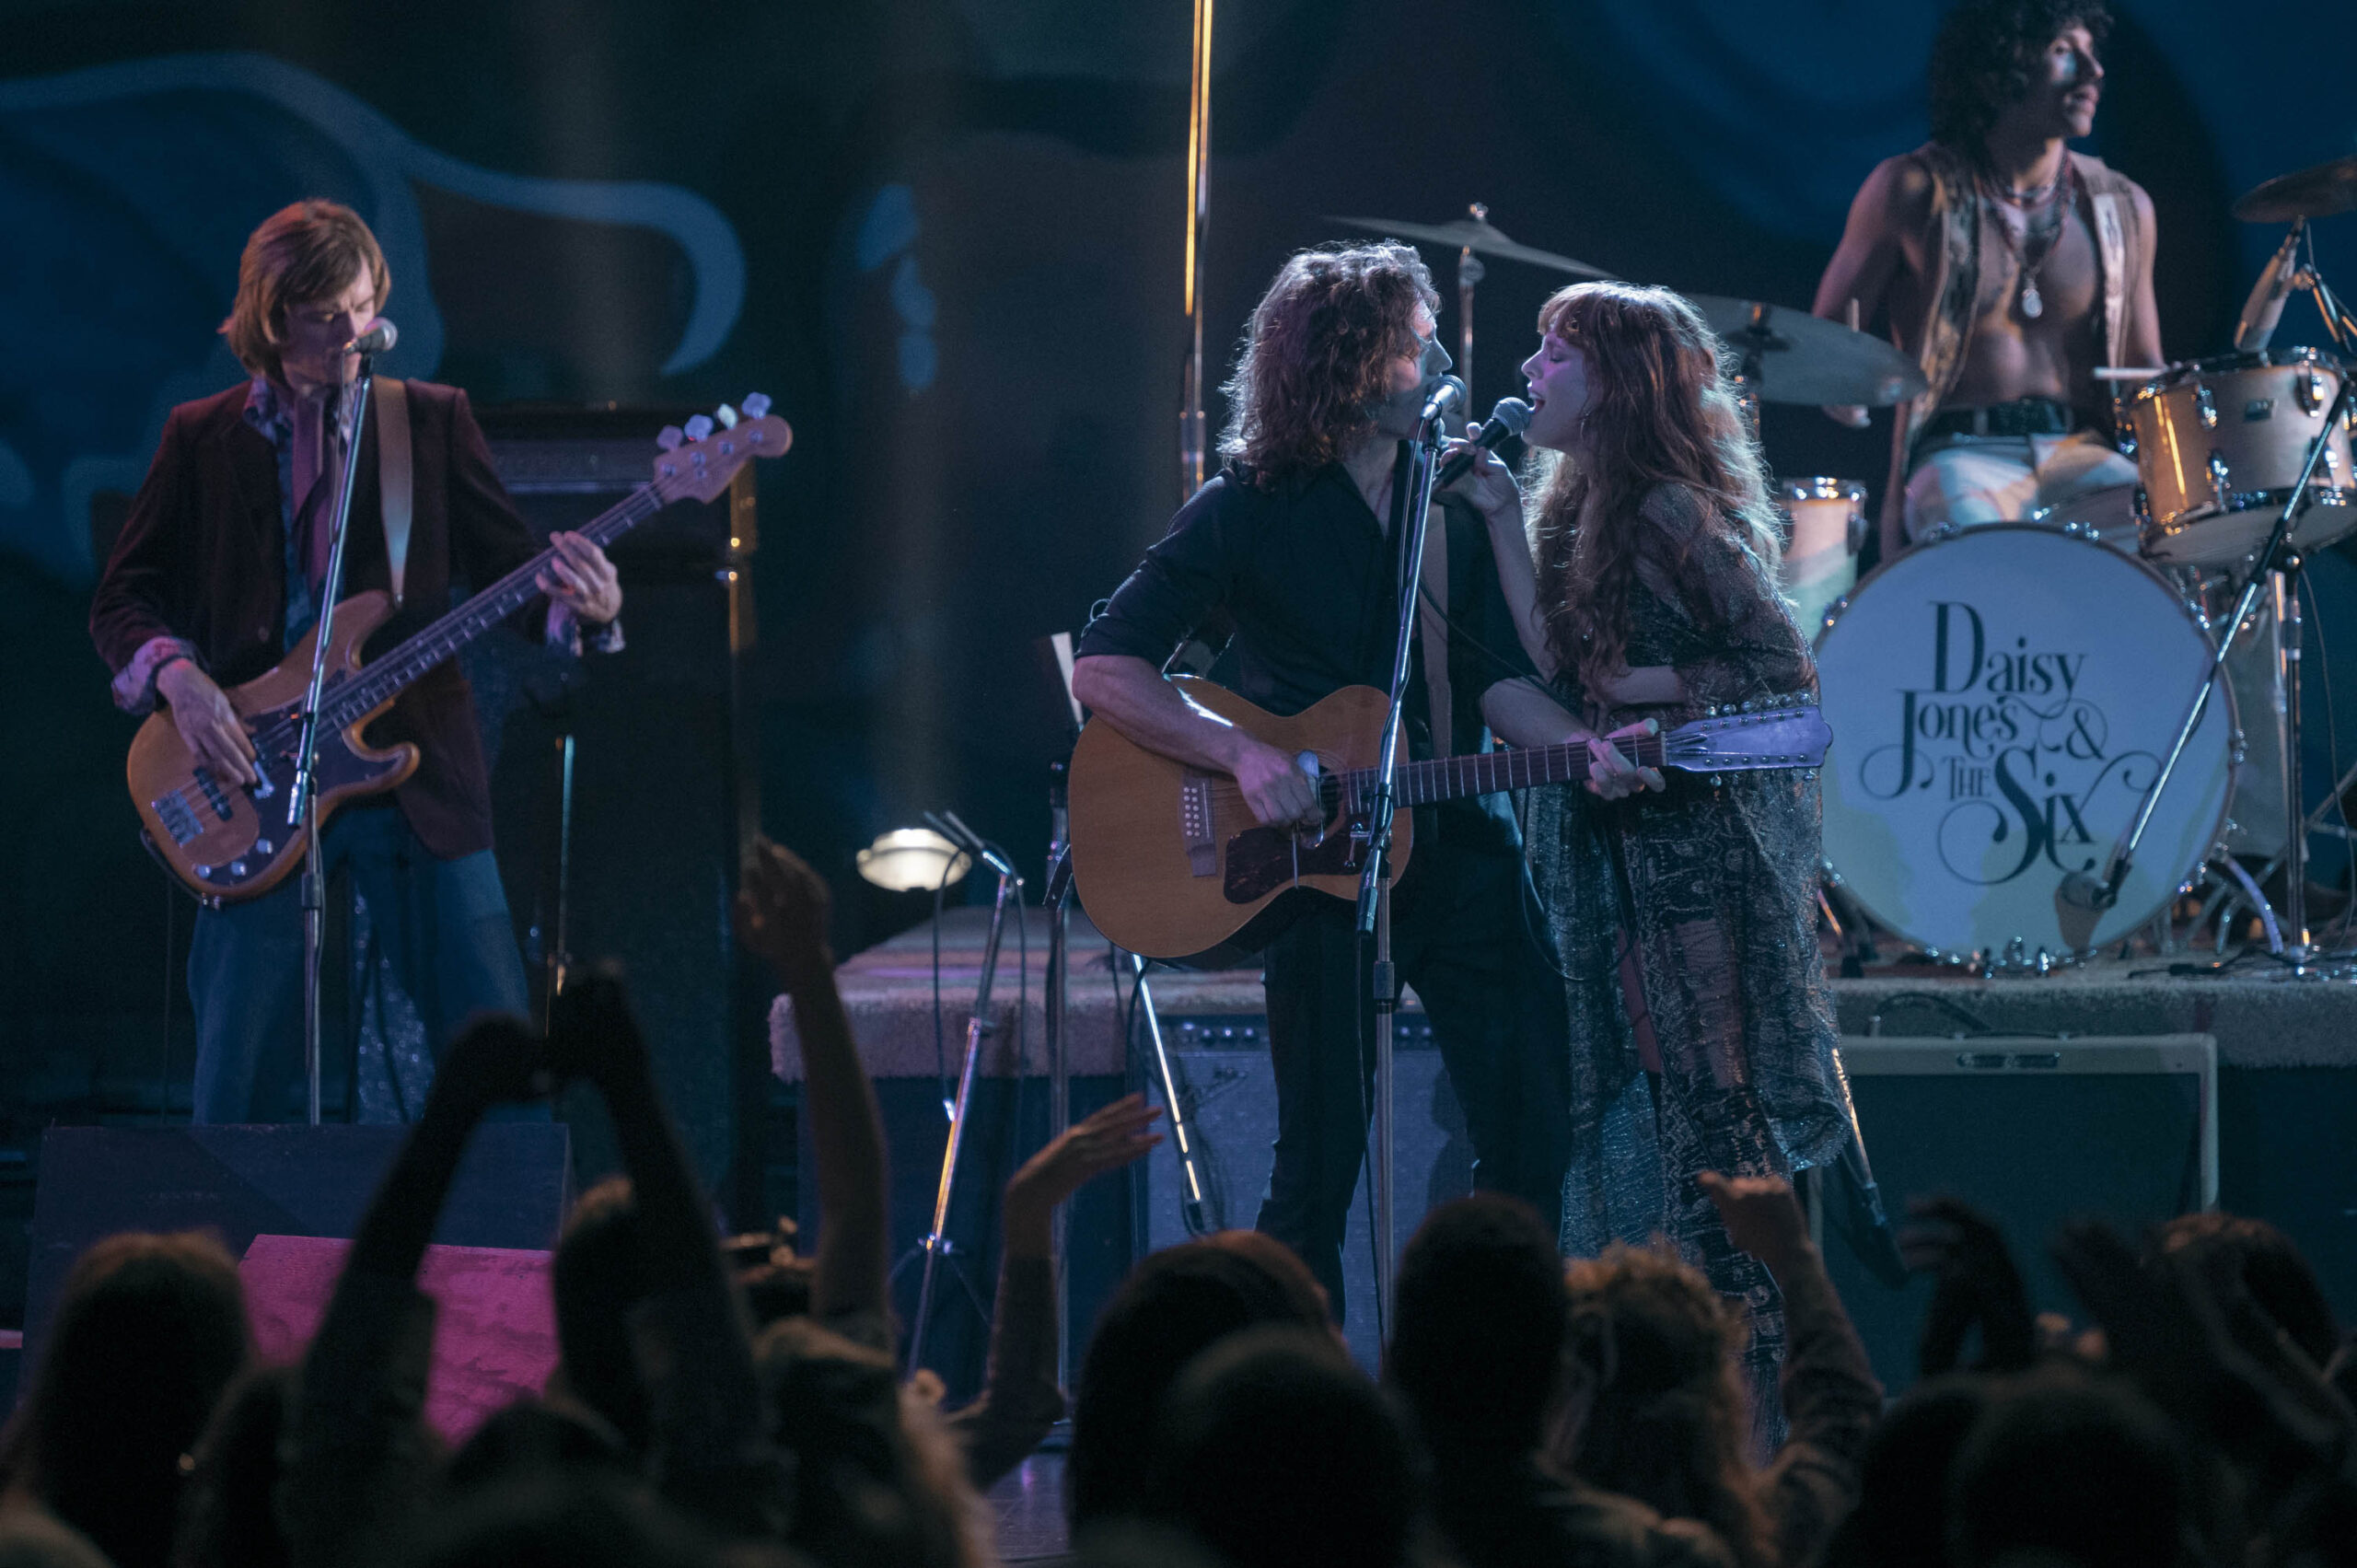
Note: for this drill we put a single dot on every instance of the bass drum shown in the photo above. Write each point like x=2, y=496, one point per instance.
x=2000, y=698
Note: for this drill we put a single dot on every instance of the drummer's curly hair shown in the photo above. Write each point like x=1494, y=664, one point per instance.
x=1669, y=466
x=1986, y=54
x=1312, y=366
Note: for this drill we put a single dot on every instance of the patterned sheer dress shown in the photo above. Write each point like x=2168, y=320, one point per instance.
x=1703, y=1033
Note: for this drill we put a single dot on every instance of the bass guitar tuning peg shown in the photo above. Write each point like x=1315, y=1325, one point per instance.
x=726, y=416
x=669, y=437
x=698, y=427
x=756, y=405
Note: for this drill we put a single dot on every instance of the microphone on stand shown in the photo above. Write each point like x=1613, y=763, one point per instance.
x=376, y=340
x=1449, y=394
x=2264, y=309
x=1510, y=418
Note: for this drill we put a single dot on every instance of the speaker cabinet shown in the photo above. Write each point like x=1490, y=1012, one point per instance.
x=512, y=1191
x=1227, y=1088
x=624, y=787
x=2032, y=1131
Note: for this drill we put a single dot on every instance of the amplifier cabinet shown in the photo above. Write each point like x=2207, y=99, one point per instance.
x=2033, y=1131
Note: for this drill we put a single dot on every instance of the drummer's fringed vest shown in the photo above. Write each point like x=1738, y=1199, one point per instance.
x=2107, y=206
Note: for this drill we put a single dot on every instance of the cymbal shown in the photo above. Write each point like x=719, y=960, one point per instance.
x=2317, y=193
x=1478, y=234
x=1803, y=358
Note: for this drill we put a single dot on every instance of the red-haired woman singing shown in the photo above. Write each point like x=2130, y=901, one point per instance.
x=1683, y=906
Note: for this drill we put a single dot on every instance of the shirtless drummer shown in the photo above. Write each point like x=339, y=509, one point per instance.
x=2012, y=268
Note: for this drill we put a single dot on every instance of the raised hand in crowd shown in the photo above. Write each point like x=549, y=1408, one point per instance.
x=782, y=907
x=1107, y=1139
x=1974, y=1282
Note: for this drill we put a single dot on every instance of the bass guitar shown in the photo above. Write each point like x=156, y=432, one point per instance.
x=229, y=841
x=1169, y=861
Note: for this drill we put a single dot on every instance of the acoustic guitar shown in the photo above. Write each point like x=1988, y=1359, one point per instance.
x=1169, y=861
x=229, y=841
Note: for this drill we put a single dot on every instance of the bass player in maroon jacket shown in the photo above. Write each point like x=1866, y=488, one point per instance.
x=215, y=579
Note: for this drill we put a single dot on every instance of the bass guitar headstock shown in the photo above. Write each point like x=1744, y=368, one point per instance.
x=699, y=462
x=1773, y=734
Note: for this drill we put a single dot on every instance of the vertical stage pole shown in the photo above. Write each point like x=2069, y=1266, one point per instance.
x=1191, y=444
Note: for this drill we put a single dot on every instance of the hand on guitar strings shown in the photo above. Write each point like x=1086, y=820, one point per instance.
x=1279, y=793
x=580, y=578
x=209, y=726
x=1612, y=775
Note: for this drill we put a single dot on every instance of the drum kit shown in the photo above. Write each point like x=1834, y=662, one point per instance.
x=2038, y=750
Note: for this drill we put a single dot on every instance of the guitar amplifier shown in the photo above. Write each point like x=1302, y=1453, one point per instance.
x=1227, y=1086
x=624, y=788
x=2032, y=1131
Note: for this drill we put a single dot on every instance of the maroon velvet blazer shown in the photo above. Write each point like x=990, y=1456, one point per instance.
x=203, y=556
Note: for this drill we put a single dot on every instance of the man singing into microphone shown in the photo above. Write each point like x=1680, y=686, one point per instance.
x=2013, y=267
x=219, y=573
x=1296, y=543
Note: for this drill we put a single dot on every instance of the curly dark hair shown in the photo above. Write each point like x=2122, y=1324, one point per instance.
x=1984, y=56
x=1313, y=360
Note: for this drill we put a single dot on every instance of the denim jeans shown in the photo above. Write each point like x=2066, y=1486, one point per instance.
x=442, y=924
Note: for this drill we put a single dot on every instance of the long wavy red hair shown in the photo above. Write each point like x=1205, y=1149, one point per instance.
x=1316, y=357
x=1662, y=410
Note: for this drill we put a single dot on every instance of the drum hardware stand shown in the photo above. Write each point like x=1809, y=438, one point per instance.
x=2279, y=566
x=1375, y=880
x=936, y=1244
x=1469, y=272
x=303, y=796
x=1055, y=1021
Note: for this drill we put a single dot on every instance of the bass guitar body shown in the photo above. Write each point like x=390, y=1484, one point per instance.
x=226, y=841
x=1168, y=859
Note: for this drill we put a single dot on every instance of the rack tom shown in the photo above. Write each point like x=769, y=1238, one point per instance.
x=2218, y=443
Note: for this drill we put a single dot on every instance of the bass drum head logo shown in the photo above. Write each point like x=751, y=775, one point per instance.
x=2003, y=700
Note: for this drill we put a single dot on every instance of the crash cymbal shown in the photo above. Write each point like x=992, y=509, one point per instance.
x=1795, y=357
x=2317, y=193
x=1478, y=234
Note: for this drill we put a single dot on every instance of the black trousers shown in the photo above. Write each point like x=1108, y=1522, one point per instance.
x=1465, y=935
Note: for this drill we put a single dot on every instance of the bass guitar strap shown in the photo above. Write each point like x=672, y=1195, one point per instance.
x=395, y=477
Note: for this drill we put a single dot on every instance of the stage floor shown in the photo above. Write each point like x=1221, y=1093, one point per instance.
x=2260, y=1021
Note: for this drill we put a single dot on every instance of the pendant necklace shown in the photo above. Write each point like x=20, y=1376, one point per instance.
x=2059, y=189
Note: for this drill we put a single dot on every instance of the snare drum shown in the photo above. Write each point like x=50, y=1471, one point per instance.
x=2002, y=699
x=2218, y=443
x=1828, y=528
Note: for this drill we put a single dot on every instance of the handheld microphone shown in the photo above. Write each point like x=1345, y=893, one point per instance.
x=376, y=340
x=1449, y=394
x=1511, y=417
x=2264, y=309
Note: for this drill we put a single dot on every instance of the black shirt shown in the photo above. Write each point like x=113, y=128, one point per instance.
x=1308, y=579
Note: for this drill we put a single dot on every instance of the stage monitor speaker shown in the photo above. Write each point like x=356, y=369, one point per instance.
x=1227, y=1086
x=241, y=1182
x=626, y=846
x=2032, y=1131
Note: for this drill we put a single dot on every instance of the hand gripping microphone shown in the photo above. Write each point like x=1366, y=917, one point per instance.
x=1511, y=417
x=379, y=337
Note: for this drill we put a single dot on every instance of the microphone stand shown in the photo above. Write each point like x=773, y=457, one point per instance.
x=2278, y=566
x=303, y=797
x=981, y=1024
x=1374, y=879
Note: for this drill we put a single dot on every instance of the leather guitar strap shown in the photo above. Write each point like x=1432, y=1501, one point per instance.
x=394, y=474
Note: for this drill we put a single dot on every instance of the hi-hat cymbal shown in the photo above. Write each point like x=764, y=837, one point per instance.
x=1477, y=235
x=2317, y=193
x=1795, y=357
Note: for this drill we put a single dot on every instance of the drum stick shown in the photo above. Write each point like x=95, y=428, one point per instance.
x=2129, y=372
x=1852, y=313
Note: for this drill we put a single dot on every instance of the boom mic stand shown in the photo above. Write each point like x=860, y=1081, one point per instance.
x=1374, y=880
x=303, y=796
x=936, y=1242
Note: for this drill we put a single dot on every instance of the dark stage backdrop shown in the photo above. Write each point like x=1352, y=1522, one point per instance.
x=945, y=236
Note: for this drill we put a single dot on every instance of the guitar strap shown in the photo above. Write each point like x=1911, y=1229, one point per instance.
x=395, y=476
